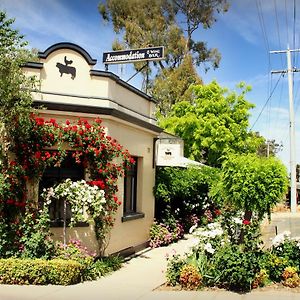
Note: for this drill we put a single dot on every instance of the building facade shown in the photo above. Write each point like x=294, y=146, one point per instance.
x=70, y=89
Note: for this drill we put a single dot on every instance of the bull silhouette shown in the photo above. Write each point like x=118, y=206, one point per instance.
x=65, y=69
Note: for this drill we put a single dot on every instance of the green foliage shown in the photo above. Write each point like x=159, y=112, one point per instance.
x=35, y=241
x=172, y=85
x=236, y=268
x=252, y=183
x=38, y=271
x=163, y=22
x=172, y=24
x=75, y=251
x=181, y=192
x=213, y=125
x=15, y=97
x=221, y=259
x=102, y=267
x=174, y=267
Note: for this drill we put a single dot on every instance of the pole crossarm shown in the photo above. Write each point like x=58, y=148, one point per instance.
x=284, y=71
x=284, y=51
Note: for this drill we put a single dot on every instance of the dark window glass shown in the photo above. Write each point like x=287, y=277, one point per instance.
x=130, y=189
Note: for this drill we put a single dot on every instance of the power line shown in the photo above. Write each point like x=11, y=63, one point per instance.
x=267, y=47
x=262, y=24
x=286, y=22
x=295, y=61
x=277, y=28
x=271, y=94
x=294, y=28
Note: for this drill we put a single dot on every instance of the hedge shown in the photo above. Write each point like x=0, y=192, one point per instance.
x=39, y=271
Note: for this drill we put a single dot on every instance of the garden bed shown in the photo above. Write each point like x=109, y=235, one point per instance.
x=271, y=287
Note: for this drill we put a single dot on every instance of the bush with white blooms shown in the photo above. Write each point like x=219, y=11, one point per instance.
x=86, y=201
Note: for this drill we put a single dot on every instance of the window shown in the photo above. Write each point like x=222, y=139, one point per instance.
x=130, y=189
x=130, y=193
x=53, y=175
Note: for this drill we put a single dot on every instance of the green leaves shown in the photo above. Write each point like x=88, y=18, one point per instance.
x=251, y=183
x=213, y=125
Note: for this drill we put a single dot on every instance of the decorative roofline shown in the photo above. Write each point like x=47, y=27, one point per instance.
x=64, y=45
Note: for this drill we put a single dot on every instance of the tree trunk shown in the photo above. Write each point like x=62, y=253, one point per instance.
x=247, y=217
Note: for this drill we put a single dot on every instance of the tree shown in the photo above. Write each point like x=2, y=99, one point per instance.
x=15, y=87
x=172, y=85
x=159, y=22
x=195, y=13
x=269, y=148
x=251, y=184
x=214, y=124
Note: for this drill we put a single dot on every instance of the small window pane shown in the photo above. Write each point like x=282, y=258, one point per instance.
x=130, y=189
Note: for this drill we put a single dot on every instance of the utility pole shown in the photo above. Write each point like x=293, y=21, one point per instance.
x=290, y=71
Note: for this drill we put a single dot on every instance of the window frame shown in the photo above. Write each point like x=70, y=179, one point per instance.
x=130, y=211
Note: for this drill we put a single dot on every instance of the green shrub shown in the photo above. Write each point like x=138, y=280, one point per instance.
x=181, y=193
x=74, y=250
x=102, y=267
x=251, y=183
x=39, y=271
x=235, y=269
x=175, y=264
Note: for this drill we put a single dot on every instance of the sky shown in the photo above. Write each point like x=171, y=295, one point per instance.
x=244, y=36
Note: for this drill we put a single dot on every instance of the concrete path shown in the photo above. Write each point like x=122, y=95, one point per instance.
x=280, y=222
x=139, y=278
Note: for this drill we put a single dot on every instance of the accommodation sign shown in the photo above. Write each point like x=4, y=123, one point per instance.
x=129, y=56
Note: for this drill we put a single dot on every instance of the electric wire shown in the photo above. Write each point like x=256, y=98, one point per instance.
x=262, y=24
x=278, y=31
x=286, y=22
x=269, y=98
x=267, y=47
x=294, y=31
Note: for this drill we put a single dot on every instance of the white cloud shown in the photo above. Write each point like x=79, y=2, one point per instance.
x=49, y=22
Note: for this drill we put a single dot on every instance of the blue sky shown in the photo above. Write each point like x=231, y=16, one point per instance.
x=243, y=35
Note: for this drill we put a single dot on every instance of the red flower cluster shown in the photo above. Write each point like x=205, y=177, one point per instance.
x=104, y=157
x=246, y=222
x=98, y=183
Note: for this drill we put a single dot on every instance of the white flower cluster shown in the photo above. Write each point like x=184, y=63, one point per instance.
x=84, y=199
x=209, y=248
x=280, y=238
x=205, y=238
x=215, y=230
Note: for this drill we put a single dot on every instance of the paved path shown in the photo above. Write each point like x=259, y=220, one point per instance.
x=280, y=222
x=140, y=277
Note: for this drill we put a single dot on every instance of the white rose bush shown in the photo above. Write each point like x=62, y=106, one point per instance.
x=87, y=201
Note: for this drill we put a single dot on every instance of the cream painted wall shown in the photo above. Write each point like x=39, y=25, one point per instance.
x=87, y=89
x=134, y=232
x=140, y=144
